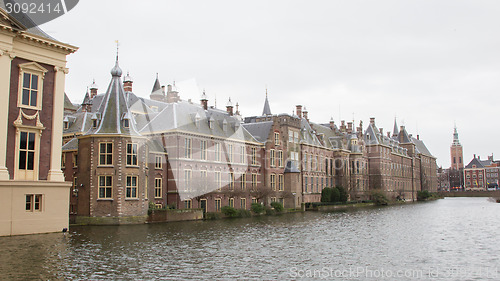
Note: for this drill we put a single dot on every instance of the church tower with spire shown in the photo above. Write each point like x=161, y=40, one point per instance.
x=456, y=152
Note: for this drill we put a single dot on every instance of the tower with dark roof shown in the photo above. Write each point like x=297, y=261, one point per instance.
x=456, y=152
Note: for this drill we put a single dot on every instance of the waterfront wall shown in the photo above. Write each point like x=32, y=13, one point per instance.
x=495, y=193
x=175, y=215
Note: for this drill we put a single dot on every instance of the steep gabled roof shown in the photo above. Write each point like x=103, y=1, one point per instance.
x=476, y=162
x=259, y=130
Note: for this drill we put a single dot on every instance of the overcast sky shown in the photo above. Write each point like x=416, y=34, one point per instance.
x=430, y=63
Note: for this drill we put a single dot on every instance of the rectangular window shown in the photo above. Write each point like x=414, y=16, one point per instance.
x=273, y=182
x=27, y=151
x=188, y=148
x=273, y=199
x=188, y=204
x=132, y=154
x=290, y=136
x=203, y=150
x=75, y=160
x=254, y=180
x=218, y=180
x=272, y=156
x=281, y=186
x=242, y=155
x=34, y=202
x=217, y=204
x=305, y=184
x=254, y=200
x=187, y=179
x=231, y=181
x=203, y=179
x=231, y=202
x=280, y=158
x=105, y=187
x=106, y=153
x=254, y=156
x=63, y=160
x=131, y=191
x=281, y=201
x=30, y=90
x=277, y=138
x=158, y=161
x=230, y=153
x=158, y=187
x=217, y=151
x=146, y=191
x=243, y=181
x=243, y=203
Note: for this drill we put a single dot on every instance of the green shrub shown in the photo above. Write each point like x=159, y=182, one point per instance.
x=342, y=194
x=335, y=195
x=257, y=208
x=277, y=206
x=270, y=211
x=242, y=213
x=212, y=216
x=423, y=195
x=326, y=194
x=229, y=211
x=379, y=198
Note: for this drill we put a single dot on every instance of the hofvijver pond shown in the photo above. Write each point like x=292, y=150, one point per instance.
x=448, y=239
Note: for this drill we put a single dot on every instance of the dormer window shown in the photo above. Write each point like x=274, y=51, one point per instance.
x=94, y=123
x=224, y=125
x=197, y=120
x=211, y=123
x=66, y=125
x=126, y=123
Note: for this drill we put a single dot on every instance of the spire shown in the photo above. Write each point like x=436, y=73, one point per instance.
x=116, y=70
x=455, y=137
x=156, y=85
x=86, y=100
x=395, y=131
x=267, y=108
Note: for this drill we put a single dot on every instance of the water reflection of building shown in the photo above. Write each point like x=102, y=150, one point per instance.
x=33, y=193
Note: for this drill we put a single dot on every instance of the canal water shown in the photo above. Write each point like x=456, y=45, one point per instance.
x=448, y=239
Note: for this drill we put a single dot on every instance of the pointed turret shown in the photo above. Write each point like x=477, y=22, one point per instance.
x=87, y=102
x=395, y=131
x=113, y=116
x=455, y=137
x=267, y=108
x=157, y=94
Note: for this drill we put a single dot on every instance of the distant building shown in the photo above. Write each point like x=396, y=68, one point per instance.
x=456, y=152
x=482, y=174
x=34, y=197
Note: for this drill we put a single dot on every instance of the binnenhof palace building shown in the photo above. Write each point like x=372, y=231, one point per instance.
x=125, y=153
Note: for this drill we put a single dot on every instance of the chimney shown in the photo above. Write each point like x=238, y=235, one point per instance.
x=389, y=134
x=418, y=137
x=332, y=124
x=479, y=157
x=299, y=110
x=229, y=107
x=474, y=156
x=127, y=83
x=349, y=127
x=204, y=101
x=169, y=88
x=381, y=131
x=372, y=120
x=305, y=114
x=342, y=126
x=93, y=89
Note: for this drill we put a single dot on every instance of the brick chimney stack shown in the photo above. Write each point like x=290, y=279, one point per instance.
x=305, y=114
x=127, y=83
x=332, y=124
x=349, y=127
x=372, y=120
x=93, y=89
x=342, y=126
x=229, y=107
x=204, y=101
x=299, y=110
x=381, y=131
